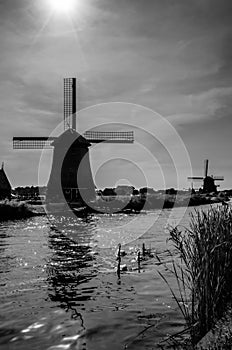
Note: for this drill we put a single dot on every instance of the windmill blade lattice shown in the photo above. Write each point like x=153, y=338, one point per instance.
x=33, y=142
x=70, y=103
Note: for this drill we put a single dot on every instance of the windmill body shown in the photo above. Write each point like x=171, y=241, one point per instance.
x=5, y=186
x=209, y=185
x=71, y=177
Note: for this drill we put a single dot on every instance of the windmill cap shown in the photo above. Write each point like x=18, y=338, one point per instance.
x=70, y=136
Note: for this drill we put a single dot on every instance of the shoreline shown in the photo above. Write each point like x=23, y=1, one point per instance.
x=12, y=210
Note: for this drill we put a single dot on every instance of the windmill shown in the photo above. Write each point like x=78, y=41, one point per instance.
x=71, y=177
x=208, y=181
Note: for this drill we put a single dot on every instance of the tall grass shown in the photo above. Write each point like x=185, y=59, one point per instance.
x=204, y=270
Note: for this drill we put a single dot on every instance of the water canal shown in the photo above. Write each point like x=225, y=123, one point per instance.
x=58, y=282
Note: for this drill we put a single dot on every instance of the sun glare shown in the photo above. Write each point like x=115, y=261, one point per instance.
x=62, y=6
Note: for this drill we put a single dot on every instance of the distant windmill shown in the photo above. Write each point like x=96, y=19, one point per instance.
x=71, y=171
x=208, y=181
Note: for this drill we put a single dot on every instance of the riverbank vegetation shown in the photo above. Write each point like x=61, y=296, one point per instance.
x=204, y=269
x=136, y=203
x=15, y=209
x=10, y=210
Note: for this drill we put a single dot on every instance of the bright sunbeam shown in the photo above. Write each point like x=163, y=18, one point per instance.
x=62, y=6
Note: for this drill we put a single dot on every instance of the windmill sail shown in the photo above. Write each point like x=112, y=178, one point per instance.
x=91, y=136
x=109, y=136
x=218, y=178
x=33, y=142
x=206, y=163
x=195, y=178
x=70, y=103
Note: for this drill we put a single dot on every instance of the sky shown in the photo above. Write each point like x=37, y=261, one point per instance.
x=161, y=68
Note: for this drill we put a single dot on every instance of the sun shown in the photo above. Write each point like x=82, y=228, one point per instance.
x=62, y=6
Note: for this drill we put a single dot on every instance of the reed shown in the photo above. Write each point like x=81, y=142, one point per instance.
x=204, y=269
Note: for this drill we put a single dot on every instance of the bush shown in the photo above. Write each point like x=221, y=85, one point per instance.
x=14, y=210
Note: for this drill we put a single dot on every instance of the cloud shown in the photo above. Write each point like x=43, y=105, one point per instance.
x=209, y=105
x=171, y=56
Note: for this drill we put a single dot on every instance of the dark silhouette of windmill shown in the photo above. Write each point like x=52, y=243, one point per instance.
x=71, y=176
x=208, y=181
x=5, y=186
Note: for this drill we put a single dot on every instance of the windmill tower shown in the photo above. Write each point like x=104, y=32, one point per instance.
x=208, y=181
x=5, y=186
x=71, y=176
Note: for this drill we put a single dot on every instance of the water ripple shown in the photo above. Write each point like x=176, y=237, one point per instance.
x=60, y=290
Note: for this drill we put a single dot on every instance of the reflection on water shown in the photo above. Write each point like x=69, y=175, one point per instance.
x=70, y=265
x=59, y=286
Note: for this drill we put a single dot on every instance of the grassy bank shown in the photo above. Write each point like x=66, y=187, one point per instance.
x=203, y=272
x=137, y=203
x=10, y=210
